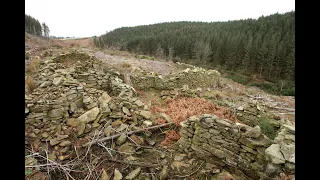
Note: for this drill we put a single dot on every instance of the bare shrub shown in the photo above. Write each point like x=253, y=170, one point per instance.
x=30, y=83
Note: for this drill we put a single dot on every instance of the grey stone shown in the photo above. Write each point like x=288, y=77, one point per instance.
x=139, y=103
x=223, y=122
x=45, y=84
x=126, y=111
x=117, y=174
x=165, y=116
x=65, y=143
x=209, y=120
x=214, y=132
x=45, y=135
x=107, y=131
x=104, y=175
x=26, y=111
x=206, y=135
x=272, y=169
x=288, y=151
x=254, y=132
x=73, y=107
x=127, y=148
x=54, y=142
x=92, y=105
x=104, y=99
x=145, y=114
x=133, y=174
x=273, y=152
x=164, y=174
x=289, y=128
x=72, y=122
x=89, y=116
x=240, y=108
x=147, y=123
x=30, y=161
x=121, y=139
x=290, y=166
x=57, y=81
x=164, y=162
x=178, y=158
x=122, y=127
x=61, y=137
x=230, y=161
x=56, y=112
x=81, y=127
x=289, y=137
x=248, y=149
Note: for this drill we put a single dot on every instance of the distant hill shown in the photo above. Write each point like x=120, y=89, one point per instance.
x=263, y=46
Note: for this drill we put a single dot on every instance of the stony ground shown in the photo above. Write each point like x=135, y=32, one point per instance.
x=56, y=146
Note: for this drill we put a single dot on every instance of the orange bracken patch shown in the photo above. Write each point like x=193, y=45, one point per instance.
x=179, y=109
x=171, y=135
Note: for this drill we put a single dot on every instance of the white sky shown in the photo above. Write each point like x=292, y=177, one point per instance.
x=86, y=18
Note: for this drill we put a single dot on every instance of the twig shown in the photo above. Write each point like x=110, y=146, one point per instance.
x=128, y=133
x=47, y=159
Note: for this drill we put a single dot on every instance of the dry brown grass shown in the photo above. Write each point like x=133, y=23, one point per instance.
x=33, y=66
x=125, y=65
x=118, y=53
x=30, y=83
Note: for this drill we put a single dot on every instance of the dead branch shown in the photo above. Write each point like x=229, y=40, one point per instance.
x=128, y=133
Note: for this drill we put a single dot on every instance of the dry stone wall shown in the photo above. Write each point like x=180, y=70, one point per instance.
x=194, y=78
x=238, y=146
x=79, y=98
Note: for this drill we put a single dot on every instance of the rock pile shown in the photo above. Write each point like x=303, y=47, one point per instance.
x=194, y=78
x=236, y=145
x=70, y=102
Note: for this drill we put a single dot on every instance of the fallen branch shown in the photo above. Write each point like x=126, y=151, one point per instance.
x=128, y=133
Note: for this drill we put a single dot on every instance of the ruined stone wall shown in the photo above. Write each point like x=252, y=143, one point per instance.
x=77, y=96
x=237, y=146
x=194, y=78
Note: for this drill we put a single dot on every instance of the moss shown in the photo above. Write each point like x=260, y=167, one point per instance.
x=267, y=128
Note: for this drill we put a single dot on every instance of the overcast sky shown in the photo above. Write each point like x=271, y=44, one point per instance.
x=86, y=18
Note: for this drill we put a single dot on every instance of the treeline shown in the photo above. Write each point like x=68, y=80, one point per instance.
x=34, y=27
x=264, y=47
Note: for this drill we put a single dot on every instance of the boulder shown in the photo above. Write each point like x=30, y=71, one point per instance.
x=288, y=151
x=254, y=132
x=273, y=152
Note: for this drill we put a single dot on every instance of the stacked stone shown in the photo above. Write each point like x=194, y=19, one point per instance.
x=70, y=103
x=149, y=81
x=250, y=114
x=234, y=144
x=121, y=89
x=282, y=154
x=194, y=78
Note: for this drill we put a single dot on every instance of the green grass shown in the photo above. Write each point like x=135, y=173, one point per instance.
x=267, y=128
x=238, y=78
x=275, y=88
